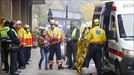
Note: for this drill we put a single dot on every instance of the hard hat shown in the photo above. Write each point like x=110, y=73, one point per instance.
x=26, y=26
x=96, y=20
x=52, y=22
x=18, y=22
x=42, y=28
x=56, y=22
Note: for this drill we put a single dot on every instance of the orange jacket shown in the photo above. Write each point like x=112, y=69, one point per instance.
x=28, y=39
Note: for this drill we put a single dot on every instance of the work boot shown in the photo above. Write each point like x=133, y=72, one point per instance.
x=50, y=66
x=15, y=73
x=60, y=66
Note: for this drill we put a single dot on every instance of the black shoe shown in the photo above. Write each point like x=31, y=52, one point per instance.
x=39, y=66
x=27, y=63
x=22, y=67
x=69, y=67
x=46, y=68
x=4, y=69
x=7, y=71
x=18, y=71
x=15, y=73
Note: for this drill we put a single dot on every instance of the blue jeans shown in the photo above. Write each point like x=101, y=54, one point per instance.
x=44, y=54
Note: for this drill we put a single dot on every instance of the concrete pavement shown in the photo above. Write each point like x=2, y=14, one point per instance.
x=32, y=69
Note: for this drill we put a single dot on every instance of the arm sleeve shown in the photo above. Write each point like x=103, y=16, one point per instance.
x=14, y=37
x=88, y=36
x=104, y=36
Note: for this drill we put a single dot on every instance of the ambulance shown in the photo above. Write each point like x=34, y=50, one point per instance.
x=117, y=19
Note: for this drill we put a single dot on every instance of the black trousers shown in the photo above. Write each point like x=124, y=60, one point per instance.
x=5, y=58
x=13, y=61
x=21, y=56
x=27, y=53
x=95, y=52
x=71, y=52
x=55, y=49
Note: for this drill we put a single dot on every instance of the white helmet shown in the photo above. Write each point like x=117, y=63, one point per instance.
x=18, y=22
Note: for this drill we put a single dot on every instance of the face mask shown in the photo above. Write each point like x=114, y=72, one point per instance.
x=28, y=30
x=44, y=33
x=96, y=23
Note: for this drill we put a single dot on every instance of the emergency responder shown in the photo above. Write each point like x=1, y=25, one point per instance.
x=29, y=43
x=54, y=38
x=5, y=45
x=14, y=46
x=61, y=39
x=72, y=39
x=21, y=33
x=96, y=37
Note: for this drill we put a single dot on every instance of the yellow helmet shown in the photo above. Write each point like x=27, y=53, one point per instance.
x=96, y=21
x=52, y=22
x=56, y=22
x=26, y=26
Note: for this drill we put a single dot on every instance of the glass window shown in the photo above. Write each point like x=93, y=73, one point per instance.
x=126, y=25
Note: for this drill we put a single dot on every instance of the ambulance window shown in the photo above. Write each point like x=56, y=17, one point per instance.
x=113, y=27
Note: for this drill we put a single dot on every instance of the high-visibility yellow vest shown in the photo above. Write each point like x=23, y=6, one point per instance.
x=28, y=39
x=21, y=34
x=4, y=31
x=74, y=33
x=54, y=34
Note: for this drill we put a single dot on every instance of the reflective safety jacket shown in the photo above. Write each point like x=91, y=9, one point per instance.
x=21, y=34
x=96, y=35
x=3, y=32
x=54, y=35
x=28, y=39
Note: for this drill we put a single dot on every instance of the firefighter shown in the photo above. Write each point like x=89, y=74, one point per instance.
x=54, y=38
x=61, y=39
x=29, y=43
x=96, y=37
x=21, y=33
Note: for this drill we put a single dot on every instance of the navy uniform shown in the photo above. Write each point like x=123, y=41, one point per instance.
x=96, y=37
x=5, y=45
x=12, y=47
x=15, y=42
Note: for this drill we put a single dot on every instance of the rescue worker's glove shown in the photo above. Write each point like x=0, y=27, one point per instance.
x=55, y=39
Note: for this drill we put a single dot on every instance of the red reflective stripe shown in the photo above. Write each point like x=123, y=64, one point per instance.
x=116, y=52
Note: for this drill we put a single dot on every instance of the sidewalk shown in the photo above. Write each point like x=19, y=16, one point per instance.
x=32, y=69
